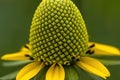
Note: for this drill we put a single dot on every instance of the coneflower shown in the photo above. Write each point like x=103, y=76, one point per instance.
x=58, y=42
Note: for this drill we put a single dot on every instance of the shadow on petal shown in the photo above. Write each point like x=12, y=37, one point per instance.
x=29, y=71
x=103, y=49
x=93, y=66
x=55, y=72
x=23, y=54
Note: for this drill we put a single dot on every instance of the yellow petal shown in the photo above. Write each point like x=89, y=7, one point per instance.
x=21, y=55
x=93, y=66
x=26, y=47
x=55, y=72
x=102, y=49
x=15, y=56
x=29, y=71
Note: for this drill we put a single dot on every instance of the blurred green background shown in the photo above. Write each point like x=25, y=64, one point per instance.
x=102, y=18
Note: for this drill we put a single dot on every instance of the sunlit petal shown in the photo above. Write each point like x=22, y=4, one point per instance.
x=93, y=66
x=103, y=49
x=55, y=72
x=29, y=71
x=15, y=56
x=21, y=55
x=26, y=47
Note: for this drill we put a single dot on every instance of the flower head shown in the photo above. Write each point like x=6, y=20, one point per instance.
x=58, y=32
x=59, y=40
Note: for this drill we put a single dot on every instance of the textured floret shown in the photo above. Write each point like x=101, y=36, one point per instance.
x=58, y=32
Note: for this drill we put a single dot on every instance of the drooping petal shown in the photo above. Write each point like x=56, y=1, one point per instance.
x=93, y=66
x=55, y=72
x=15, y=56
x=21, y=55
x=29, y=71
x=103, y=49
x=26, y=47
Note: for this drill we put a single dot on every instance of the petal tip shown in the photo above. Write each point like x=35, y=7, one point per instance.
x=55, y=72
x=103, y=49
x=4, y=57
x=93, y=66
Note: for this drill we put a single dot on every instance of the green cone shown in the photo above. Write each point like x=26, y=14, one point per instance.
x=58, y=32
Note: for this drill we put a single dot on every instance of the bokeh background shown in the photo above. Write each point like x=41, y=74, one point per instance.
x=102, y=18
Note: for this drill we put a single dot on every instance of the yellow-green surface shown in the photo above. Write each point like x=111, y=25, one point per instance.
x=101, y=17
x=58, y=27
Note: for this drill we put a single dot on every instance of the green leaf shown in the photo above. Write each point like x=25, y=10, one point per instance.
x=71, y=73
x=95, y=77
x=41, y=75
x=110, y=62
x=10, y=76
x=14, y=63
x=85, y=75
